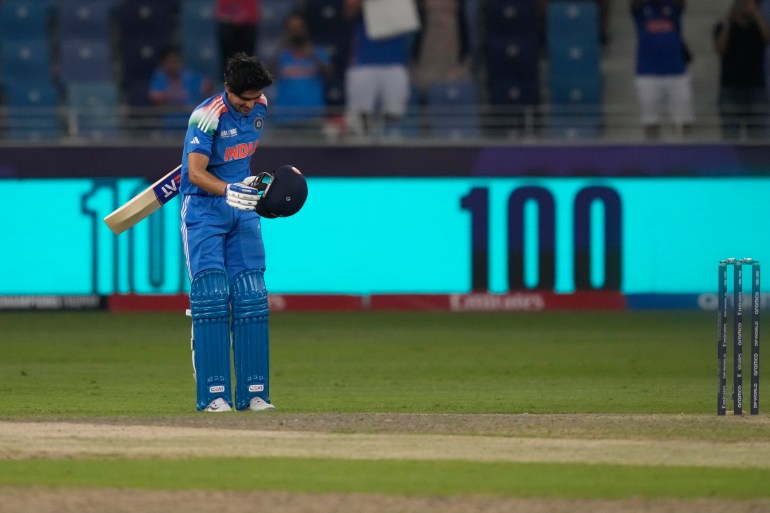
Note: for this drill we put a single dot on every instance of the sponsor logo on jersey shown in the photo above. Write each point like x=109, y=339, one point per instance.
x=229, y=133
x=195, y=140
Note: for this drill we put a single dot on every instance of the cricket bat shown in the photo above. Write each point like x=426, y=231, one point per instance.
x=145, y=203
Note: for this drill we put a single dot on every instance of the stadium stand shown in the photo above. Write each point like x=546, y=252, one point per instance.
x=512, y=49
x=453, y=110
x=84, y=19
x=28, y=60
x=574, y=74
x=271, y=17
x=518, y=82
x=23, y=20
x=330, y=30
x=95, y=105
x=198, y=37
x=85, y=60
x=32, y=110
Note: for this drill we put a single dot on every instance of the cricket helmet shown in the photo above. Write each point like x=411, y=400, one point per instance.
x=285, y=191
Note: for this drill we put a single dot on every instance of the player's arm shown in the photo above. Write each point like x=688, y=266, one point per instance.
x=197, y=164
x=239, y=195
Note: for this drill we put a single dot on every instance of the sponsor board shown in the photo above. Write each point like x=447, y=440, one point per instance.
x=77, y=302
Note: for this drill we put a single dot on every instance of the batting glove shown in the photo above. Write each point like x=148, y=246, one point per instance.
x=241, y=196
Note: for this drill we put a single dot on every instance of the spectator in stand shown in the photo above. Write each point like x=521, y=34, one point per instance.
x=237, y=26
x=377, y=75
x=663, y=84
x=740, y=41
x=176, y=88
x=441, y=49
x=301, y=69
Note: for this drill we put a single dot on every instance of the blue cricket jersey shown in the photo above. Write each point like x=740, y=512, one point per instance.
x=214, y=234
x=227, y=137
x=660, y=49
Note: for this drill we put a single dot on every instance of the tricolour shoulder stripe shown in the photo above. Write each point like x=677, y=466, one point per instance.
x=210, y=119
x=207, y=117
x=263, y=100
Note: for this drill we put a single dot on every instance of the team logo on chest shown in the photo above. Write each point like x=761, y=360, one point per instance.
x=258, y=123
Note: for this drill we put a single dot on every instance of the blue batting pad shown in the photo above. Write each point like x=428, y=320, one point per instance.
x=211, y=336
x=251, y=343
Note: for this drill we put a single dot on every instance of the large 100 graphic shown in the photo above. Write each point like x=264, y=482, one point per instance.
x=149, y=257
x=421, y=235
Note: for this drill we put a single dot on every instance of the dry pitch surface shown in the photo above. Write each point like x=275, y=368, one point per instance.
x=656, y=440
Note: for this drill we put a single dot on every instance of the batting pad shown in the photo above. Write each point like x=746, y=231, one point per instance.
x=251, y=345
x=211, y=337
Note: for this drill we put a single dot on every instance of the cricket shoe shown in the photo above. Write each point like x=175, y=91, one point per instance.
x=218, y=405
x=259, y=404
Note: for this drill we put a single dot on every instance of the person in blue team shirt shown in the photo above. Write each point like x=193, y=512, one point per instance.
x=377, y=75
x=662, y=80
x=176, y=89
x=301, y=69
x=222, y=240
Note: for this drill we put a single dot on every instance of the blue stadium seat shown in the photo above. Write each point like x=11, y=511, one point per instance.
x=148, y=18
x=26, y=60
x=580, y=56
x=513, y=56
x=408, y=127
x=575, y=122
x=575, y=110
x=32, y=110
x=572, y=90
x=202, y=55
x=136, y=92
x=516, y=106
x=22, y=20
x=272, y=14
x=197, y=18
x=198, y=37
x=573, y=18
x=325, y=18
x=453, y=110
x=509, y=17
x=96, y=105
x=140, y=56
x=506, y=91
x=574, y=79
x=84, y=60
x=84, y=19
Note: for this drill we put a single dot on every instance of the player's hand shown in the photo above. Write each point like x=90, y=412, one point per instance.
x=241, y=196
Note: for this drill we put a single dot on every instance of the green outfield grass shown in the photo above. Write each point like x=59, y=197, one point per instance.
x=135, y=369
x=139, y=364
x=395, y=477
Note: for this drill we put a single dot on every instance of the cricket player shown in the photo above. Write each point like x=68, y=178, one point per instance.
x=221, y=233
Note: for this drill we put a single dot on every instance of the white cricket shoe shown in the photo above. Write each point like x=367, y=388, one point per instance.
x=259, y=404
x=218, y=405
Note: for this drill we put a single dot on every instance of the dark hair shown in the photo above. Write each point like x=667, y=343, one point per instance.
x=246, y=73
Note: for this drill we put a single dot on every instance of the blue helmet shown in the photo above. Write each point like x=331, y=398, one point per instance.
x=284, y=192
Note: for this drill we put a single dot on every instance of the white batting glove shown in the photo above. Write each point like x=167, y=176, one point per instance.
x=241, y=196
